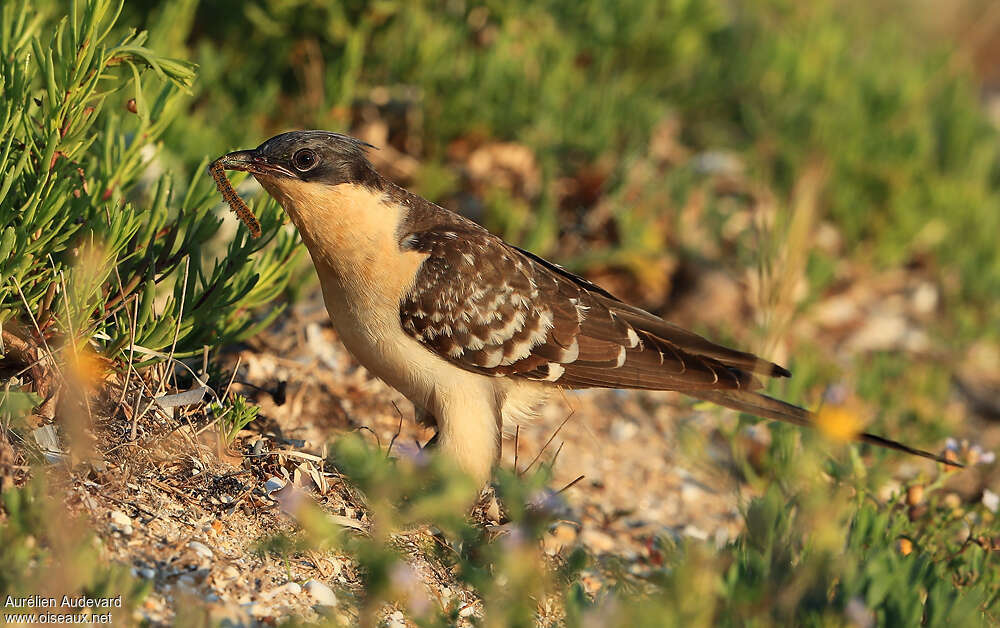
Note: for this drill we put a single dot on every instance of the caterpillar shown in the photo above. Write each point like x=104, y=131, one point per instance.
x=233, y=199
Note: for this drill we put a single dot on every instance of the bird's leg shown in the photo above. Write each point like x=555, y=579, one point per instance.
x=467, y=431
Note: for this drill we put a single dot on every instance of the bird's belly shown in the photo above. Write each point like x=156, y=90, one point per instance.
x=379, y=343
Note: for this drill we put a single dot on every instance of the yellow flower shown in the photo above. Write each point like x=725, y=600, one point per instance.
x=905, y=546
x=839, y=423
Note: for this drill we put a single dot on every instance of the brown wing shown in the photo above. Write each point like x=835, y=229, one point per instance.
x=495, y=309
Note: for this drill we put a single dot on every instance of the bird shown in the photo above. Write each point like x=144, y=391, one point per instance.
x=475, y=332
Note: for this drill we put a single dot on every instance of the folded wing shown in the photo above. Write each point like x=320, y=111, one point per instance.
x=495, y=309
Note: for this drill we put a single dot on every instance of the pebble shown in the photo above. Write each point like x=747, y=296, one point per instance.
x=695, y=532
x=718, y=162
x=622, y=430
x=258, y=447
x=121, y=522
x=201, y=549
x=230, y=572
x=691, y=492
x=336, y=567
x=467, y=611
x=396, y=620
x=883, y=331
x=323, y=594
x=289, y=587
x=258, y=610
x=230, y=615
x=925, y=298
x=146, y=573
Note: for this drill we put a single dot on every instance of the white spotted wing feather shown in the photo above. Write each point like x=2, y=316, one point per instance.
x=495, y=309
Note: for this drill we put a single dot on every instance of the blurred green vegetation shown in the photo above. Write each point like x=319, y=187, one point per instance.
x=92, y=237
x=634, y=107
x=47, y=552
x=813, y=553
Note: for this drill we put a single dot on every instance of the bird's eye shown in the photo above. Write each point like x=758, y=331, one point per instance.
x=305, y=160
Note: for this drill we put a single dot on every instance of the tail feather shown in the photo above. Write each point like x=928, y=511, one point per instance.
x=771, y=408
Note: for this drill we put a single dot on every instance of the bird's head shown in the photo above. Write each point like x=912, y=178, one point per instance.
x=305, y=156
x=328, y=188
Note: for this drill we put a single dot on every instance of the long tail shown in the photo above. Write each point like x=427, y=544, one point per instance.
x=771, y=408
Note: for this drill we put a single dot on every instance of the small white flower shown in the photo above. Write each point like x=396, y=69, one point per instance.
x=991, y=500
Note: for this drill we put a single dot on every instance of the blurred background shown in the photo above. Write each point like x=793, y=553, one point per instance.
x=817, y=182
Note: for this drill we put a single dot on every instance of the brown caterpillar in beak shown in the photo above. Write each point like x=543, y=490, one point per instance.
x=233, y=199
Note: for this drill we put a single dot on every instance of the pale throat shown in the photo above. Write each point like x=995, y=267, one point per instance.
x=350, y=231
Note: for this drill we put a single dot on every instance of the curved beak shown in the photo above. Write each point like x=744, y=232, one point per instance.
x=251, y=161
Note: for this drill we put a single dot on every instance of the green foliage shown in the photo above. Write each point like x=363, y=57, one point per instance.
x=810, y=570
x=811, y=554
x=45, y=552
x=236, y=416
x=92, y=236
x=15, y=404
